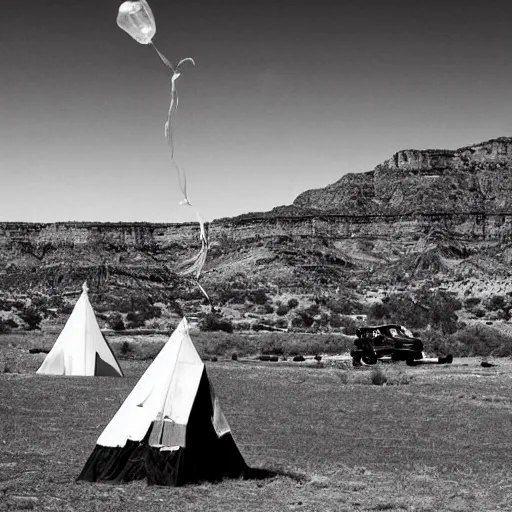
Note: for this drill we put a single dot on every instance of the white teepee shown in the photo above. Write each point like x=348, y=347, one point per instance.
x=170, y=429
x=81, y=348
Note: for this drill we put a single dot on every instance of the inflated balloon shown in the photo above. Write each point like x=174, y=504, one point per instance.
x=136, y=18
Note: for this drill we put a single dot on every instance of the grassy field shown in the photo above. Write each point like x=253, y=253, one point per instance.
x=439, y=439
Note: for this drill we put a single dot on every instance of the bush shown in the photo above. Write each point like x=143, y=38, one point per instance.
x=282, y=309
x=265, y=309
x=481, y=340
x=116, y=322
x=293, y=303
x=473, y=340
x=342, y=306
x=378, y=311
x=134, y=320
x=258, y=297
x=424, y=308
x=31, y=317
x=302, y=320
x=213, y=322
x=4, y=328
x=313, y=309
x=10, y=323
x=273, y=345
x=349, y=325
x=336, y=320
x=496, y=302
x=479, y=312
x=282, y=323
x=126, y=348
x=471, y=302
x=378, y=377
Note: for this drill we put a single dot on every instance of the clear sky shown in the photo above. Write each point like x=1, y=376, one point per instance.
x=286, y=95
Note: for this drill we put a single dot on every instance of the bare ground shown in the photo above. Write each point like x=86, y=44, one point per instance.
x=439, y=439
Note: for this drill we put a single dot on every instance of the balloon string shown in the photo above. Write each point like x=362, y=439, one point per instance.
x=173, y=105
x=163, y=58
x=195, y=264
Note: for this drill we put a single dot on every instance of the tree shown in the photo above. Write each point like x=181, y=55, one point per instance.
x=31, y=317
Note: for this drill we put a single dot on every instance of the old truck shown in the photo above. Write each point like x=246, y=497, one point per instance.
x=390, y=342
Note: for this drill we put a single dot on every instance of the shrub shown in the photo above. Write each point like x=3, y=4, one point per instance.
x=313, y=309
x=480, y=340
x=496, y=302
x=265, y=309
x=336, y=320
x=479, y=312
x=282, y=309
x=10, y=323
x=257, y=326
x=471, y=302
x=176, y=308
x=282, y=323
x=342, y=306
x=258, y=297
x=324, y=320
x=67, y=308
x=273, y=345
x=116, y=322
x=473, y=340
x=378, y=311
x=134, y=320
x=213, y=322
x=302, y=320
x=349, y=325
x=293, y=303
x=4, y=328
x=31, y=317
x=378, y=377
x=126, y=348
x=424, y=308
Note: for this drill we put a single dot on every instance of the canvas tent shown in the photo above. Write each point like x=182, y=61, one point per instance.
x=170, y=430
x=81, y=348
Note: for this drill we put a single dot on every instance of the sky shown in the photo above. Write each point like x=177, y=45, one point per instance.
x=286, y=95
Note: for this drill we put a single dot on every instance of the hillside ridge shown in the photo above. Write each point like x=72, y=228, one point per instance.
x=435, y=218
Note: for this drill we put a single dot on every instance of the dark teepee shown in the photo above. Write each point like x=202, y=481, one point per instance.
x=171, y=429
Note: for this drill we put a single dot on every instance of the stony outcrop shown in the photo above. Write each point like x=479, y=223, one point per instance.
x=472, y=179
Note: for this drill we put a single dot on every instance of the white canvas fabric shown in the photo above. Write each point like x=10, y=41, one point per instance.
x=79, y=344
x=163, y=396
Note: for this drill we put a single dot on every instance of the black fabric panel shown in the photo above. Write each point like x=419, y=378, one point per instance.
x=205, y=456
x=103, y=369
x=234, y=465
x=114, y=356
x=106, y=464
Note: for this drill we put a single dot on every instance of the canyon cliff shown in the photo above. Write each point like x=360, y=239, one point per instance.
x=440, y=216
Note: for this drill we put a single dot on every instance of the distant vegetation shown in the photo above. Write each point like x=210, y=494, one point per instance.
x=432, y=314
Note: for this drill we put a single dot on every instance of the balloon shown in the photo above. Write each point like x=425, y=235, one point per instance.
x=136, y=18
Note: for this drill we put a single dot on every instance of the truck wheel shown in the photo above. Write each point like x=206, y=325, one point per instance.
x=370, y=359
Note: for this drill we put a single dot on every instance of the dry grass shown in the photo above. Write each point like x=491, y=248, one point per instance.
x=442, y=442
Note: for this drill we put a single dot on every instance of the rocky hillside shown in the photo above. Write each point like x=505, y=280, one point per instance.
x=475, y=178
x=437, y=218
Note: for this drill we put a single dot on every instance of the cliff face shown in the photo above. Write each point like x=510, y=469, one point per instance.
x=476, y=179
x=418, y=215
